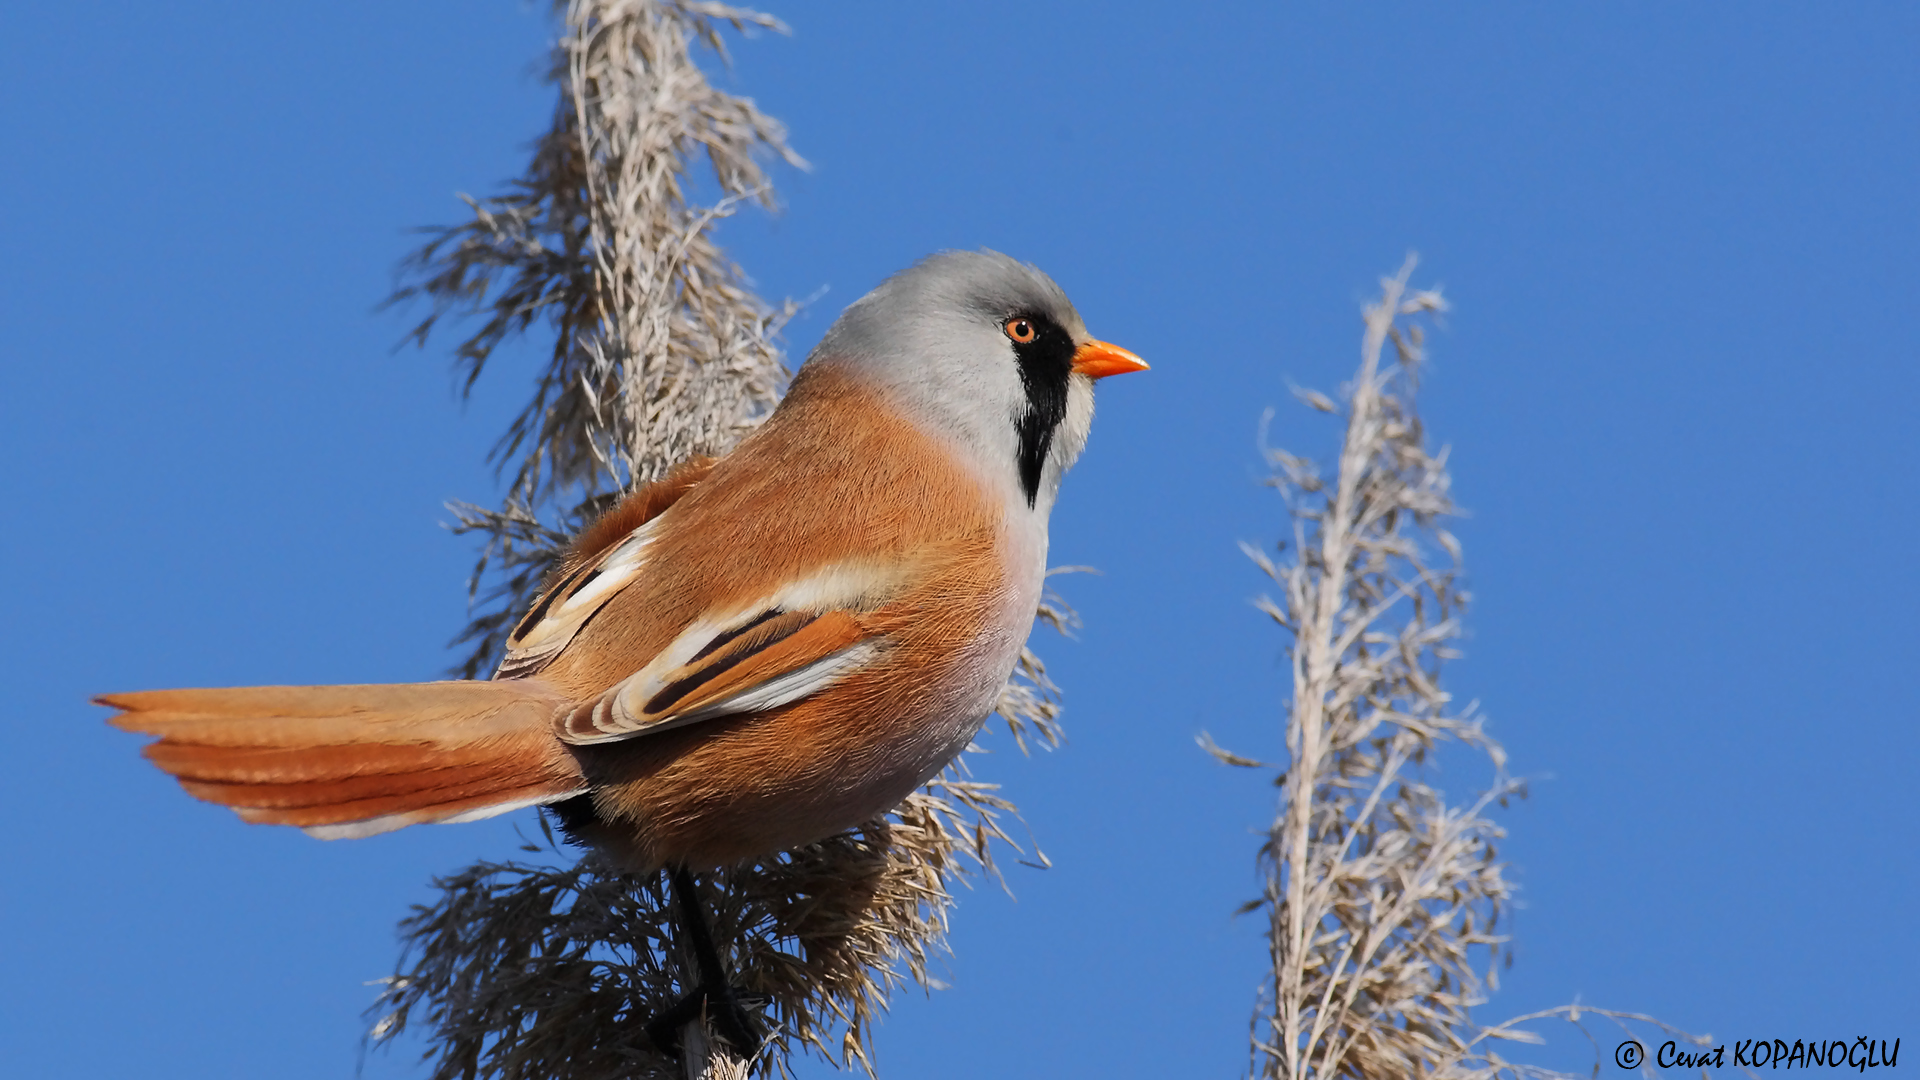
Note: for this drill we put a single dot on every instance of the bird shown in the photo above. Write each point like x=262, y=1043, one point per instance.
x=752, y=653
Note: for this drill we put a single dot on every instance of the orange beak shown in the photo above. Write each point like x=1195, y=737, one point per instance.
x=1097, y=360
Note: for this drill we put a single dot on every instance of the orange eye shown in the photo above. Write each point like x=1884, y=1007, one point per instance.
x=1020, y=330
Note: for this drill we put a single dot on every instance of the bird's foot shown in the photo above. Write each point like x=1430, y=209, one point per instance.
x=729, y=1013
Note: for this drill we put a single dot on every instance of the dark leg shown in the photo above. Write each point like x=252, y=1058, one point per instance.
x=715, y=996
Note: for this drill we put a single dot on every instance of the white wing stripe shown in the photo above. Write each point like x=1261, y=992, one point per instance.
x=618, y=568
x=792, y=686
x=615, y=714
x=615, y=570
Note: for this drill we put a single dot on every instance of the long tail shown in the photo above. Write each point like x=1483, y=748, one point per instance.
x=344, y=761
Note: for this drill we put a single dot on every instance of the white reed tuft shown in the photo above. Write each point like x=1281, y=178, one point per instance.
x=661, y=351
x=1382, y=899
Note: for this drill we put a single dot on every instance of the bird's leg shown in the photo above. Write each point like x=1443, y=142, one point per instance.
x=714, y=995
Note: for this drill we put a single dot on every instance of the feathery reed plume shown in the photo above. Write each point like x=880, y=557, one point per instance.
x=661, y=351
x=1380, y=896
x=537, y=970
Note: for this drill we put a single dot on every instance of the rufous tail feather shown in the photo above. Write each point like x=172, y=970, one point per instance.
x=341, y=761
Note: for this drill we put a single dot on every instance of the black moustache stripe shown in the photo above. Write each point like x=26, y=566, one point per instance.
x=1046, y=364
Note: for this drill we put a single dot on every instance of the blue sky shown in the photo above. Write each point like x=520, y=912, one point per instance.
x=1678, y=383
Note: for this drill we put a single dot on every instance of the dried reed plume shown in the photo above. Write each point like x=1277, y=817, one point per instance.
x=525, y=970
x=660, y=351
x=1381, y=898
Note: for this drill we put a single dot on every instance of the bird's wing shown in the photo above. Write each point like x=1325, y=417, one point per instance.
x=769, y=654
x=607, y=557
x=795, y=638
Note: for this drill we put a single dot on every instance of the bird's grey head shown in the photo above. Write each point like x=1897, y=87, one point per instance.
x=987, y=350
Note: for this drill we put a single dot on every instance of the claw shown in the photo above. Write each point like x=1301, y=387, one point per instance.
x=724, y=1006
x=726, y=1012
